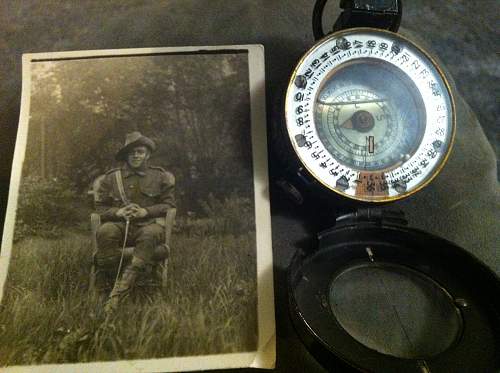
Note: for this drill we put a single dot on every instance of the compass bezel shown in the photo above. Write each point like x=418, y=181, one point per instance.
x=434, y=76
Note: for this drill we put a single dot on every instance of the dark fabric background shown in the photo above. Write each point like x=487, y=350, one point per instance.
x=462, y=204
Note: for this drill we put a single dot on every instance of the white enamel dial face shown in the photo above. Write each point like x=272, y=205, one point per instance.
x=370, y=115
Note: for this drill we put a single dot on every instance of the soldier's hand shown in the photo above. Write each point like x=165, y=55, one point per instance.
x=128, y=212
x=134, y=211
x=137, y=212
x=122, y=213
x=140, y=213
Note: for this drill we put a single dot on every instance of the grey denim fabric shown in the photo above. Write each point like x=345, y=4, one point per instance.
x=462, y=204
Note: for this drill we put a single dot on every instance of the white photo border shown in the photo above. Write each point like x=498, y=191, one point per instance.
x=265, y=355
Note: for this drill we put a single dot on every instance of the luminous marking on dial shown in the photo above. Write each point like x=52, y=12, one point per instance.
x=369, y=115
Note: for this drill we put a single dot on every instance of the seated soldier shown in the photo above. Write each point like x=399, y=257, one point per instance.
x=138, y=193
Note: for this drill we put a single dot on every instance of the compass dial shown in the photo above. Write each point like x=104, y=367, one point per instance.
x=370, y=115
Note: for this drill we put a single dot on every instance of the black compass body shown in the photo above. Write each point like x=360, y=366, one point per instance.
x=379, y=296
x=370, y=119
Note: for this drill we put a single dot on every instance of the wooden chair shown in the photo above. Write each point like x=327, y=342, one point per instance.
x=162, y=252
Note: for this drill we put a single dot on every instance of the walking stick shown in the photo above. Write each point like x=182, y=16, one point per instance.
x=123, y=196
x=127, y=225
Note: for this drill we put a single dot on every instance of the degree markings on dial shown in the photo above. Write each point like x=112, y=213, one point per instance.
x=405, y=173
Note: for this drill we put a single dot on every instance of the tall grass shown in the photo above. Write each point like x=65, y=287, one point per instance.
x=209, y=306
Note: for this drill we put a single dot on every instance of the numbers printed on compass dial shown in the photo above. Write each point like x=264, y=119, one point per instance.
x=373, y=109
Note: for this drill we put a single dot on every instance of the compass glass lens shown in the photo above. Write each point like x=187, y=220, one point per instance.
x=395, y=311
x=369, y=116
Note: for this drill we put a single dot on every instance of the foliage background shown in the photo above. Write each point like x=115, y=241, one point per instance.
x=196, y=108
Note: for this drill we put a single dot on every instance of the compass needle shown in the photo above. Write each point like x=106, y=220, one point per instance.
x=343, y=103
x=347, y=124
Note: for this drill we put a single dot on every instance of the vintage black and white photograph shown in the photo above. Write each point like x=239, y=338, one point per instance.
x=138, y=234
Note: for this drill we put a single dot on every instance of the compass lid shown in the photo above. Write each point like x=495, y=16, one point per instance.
x=379, y=296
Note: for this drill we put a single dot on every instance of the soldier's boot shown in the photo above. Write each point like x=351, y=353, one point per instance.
x=124, y=284
x=103, y=275
x=149, y=284
x=102, y=284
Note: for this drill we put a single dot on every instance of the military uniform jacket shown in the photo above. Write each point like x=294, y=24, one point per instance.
x=151, y=188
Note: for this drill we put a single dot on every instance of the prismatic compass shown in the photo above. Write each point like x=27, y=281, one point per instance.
x=369, y=118
x=370, y=115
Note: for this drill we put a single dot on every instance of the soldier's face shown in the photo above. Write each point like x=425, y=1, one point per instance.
x=137, y=156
